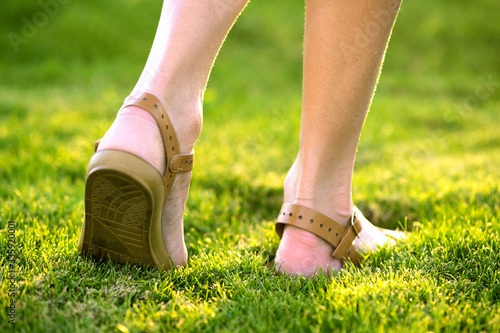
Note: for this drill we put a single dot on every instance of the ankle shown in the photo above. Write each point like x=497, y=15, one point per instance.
x=334, y=202
x=189, y=121
x=327, y=193
x=332, y=206
x=291, y=182
x=186, y=116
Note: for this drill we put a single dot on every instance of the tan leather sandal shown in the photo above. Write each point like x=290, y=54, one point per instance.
x=125, y=195
x=340, y=237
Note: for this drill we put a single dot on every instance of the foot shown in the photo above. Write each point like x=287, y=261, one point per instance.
x=136, y=131
x=303, y=253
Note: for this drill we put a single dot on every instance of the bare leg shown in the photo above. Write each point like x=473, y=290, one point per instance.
x=344, y=47
x=186, y=44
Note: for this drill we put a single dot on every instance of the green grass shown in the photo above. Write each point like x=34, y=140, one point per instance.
x=429, y=158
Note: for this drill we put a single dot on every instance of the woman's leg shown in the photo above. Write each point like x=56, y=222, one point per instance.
x=344, y=47
x=186, y=44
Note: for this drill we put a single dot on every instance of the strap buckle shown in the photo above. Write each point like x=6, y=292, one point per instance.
x=354, y=217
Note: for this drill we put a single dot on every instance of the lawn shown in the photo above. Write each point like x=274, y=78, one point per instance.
x=428, y=160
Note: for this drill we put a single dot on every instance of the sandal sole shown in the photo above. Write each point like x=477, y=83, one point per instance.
x=123, y=203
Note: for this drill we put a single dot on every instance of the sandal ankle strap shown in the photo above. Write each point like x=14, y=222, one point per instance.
x=176, y=162
x=340, y=237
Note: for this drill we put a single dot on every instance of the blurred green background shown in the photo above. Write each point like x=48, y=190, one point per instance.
x=75, y=41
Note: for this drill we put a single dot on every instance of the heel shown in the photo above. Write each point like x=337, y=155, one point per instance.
x=123, y=203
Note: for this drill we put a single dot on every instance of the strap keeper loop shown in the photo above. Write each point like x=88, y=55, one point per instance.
x=181, y=163
x=351, y=233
